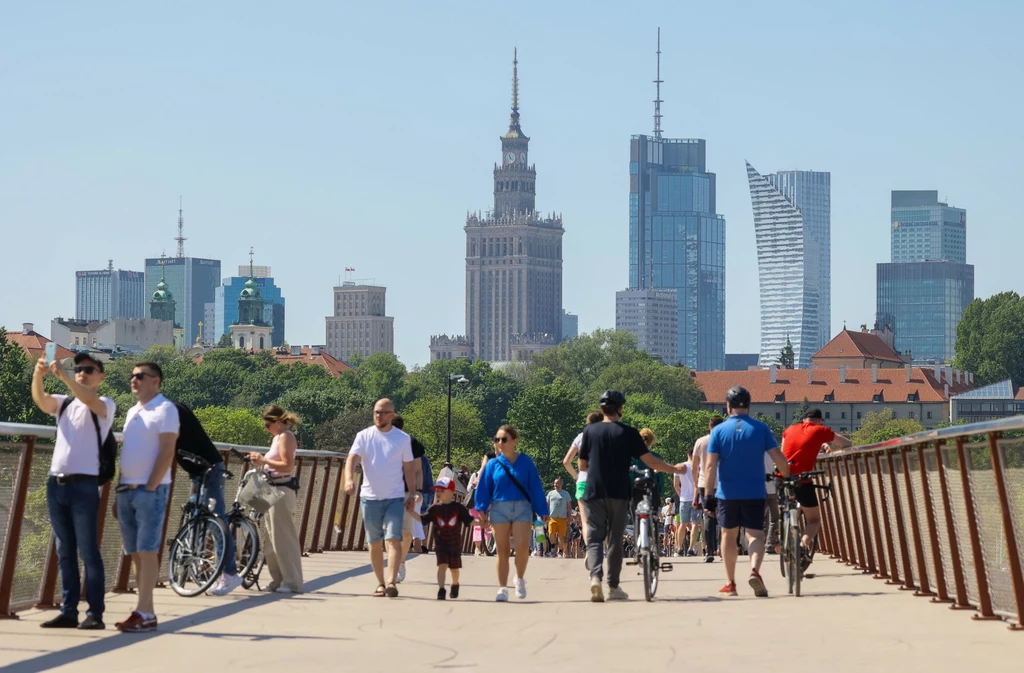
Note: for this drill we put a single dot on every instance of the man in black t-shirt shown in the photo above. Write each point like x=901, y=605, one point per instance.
x=606, y=453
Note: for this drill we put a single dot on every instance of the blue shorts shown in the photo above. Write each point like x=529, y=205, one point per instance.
x=140, y=514
x=382, y=518
x=511, y=511
x=747, y=514
x=688, y=513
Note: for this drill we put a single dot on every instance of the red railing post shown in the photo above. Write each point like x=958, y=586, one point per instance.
x=334, y=508
x=915, y=528
x=48, y=585
x=933, y=532
x=854, y=529
x=864, y=518
x=306, y=507
x=10, y=559
x=314, y=548
x=826, y=523
x=894, y=572
x=844, y=507
x=1012, y=555
x=840, y=533
x=984, y=596
x=901, y=527
x=356, y=519
x=962, y=602
x=883, y=570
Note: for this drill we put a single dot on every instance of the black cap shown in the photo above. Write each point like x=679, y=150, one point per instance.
x=813, y=413
x=738, y=397
x=612, y=398
x=82, y=357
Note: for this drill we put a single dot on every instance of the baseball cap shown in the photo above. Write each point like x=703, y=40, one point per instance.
x=444, y=484
x=813, y=413
x=83, y=357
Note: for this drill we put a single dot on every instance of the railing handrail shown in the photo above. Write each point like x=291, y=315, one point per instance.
x=50, y=432
x=982, y=427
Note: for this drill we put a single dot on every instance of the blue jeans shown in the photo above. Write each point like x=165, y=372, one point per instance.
x=74, y=510
x=215, y=490
x=140, y=514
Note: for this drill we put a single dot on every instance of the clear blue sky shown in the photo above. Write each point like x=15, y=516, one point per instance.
x=330, y=134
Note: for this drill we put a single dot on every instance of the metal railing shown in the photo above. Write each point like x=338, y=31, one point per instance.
x=939, y=513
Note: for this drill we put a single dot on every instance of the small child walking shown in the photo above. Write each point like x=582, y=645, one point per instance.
x=448, y=518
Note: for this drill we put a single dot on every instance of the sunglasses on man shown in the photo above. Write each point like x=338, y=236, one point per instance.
x=140, y=375
x=85, y=369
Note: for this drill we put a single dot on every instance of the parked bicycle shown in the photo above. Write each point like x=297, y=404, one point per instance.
x=794, y=559
x=647, y=533
x=245, y=530
x=197, y=552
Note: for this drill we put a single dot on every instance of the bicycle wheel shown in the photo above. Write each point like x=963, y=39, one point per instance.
x=794, y=560
x=197, y=556
x=784, y=543
x=248, y=550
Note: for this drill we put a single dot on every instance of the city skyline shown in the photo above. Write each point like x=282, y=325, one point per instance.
x=119, y=164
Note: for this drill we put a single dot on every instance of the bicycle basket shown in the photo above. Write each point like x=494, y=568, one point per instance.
x=258, y=493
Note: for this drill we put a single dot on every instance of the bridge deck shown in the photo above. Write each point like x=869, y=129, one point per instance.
x=845, y=621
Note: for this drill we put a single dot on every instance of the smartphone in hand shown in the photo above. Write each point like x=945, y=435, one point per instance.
x=51, y=353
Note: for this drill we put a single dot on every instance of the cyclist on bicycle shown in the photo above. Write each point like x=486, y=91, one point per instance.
x=801, y=443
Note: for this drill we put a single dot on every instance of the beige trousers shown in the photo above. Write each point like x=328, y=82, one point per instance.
x=283, y=553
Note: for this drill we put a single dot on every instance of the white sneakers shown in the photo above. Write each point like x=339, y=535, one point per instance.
x=225, y=585
x=520, y=588
x=502, y=596
x=596, y=594
x=617, y=594
x=401, y=574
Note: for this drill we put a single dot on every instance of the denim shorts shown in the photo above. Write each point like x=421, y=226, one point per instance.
x=688, y=513
x=382, y=518
x=140, y=514
x=511, y=511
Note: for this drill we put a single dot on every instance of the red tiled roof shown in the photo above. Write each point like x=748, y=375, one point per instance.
x=849, y=344
x=892, y=384
x=34, y=345
x=332, y=364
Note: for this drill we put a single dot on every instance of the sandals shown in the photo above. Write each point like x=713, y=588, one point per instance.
x=380, y=592
x=391, y=591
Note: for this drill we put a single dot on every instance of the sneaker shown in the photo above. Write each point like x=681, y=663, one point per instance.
x=617, y=594
x=136, y=623
x=401, y=574
x=61, y=621
x=757, y=584
x=502, y=596
x=691, y=552
x=680, y=553
x=709, y=559
x=520, y=588
x=455, y=591
x=728, y=590
x=441, y=594
x=596, y=595
x=225, y=585
x=92, y=624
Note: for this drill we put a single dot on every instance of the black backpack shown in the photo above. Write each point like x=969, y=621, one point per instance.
x=193, y=439
x=108, y=446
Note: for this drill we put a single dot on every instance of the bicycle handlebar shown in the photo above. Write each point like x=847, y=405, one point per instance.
x=203, y=463
x=238, y=454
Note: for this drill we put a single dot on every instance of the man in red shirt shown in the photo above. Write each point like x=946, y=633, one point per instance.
x=801, y=443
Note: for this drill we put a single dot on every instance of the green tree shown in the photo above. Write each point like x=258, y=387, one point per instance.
x=338, y=433
x=548, y=418
x=426, y=419
x=798, y=415
x=882, y=425
x=15, y=381
x=316, y=403
x=775, y=426
x=224, y=341
x=234, y=426
x=643, y=374
x=583, y=359
x=491, y=391
x=382, y=375
x=787, y=356
x=990, y=338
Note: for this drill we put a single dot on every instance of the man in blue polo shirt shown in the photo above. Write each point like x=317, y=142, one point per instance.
x=736, y=464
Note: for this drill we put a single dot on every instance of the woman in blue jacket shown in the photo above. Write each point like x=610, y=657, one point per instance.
x=508, y=494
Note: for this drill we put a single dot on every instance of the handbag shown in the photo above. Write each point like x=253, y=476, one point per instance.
x=515, y=481
x=258, y=493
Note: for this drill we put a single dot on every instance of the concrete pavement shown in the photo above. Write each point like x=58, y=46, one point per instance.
x=845, y=622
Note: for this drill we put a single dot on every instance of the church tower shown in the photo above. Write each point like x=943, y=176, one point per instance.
x=251, y=331
x=162, y=307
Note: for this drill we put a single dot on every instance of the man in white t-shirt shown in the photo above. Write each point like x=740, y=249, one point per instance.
x=84, y=420
x=688, y=514
x=699, y=461
x=147, y=452
x=388, y=490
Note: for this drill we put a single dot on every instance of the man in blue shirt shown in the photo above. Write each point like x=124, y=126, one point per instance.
x=736, y=464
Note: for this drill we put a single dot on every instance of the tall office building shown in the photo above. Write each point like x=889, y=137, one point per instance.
x=359, y=324
x=676, y=239
x=923, y=292
x=192, y=281
x=570, y=325
x=792, y=225
x=652, y=315
x=226, y=306
x=513, y=258
x=109, y=293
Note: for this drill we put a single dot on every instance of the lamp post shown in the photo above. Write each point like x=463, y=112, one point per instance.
x=462, y=381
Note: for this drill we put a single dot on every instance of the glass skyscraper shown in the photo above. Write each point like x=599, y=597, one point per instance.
x=677, y=240
x=226, y=307
x=192, y=282
x=110, y=293
x=793, y=228
x=923, y=292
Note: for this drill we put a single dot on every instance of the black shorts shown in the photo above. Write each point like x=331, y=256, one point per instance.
x=747, y=514
x=806, y=495
x=451, y=557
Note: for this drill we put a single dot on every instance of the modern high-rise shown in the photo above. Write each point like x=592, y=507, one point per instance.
x=923, y=292
x=192, y=281
x=359, y=324
x=676, y=238
x=652, y=315
x=109, y=293
x=226, y=305
x=513, y=258
x=792, y=226
x=570, y=325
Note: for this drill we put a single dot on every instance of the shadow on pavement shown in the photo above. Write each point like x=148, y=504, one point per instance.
x=78, y=653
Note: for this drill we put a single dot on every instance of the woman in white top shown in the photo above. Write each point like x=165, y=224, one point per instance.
x=580, y=477
x=284, y=553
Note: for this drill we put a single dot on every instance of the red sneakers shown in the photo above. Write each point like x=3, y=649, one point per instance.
x=757, y=584
x=728, y=590
x=136, y=623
